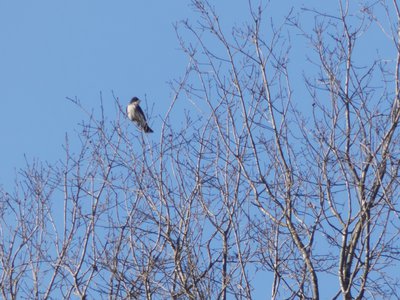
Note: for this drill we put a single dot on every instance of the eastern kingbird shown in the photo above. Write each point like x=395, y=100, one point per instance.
x=135, y=114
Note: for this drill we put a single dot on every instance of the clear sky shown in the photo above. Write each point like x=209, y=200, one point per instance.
x=51, y=50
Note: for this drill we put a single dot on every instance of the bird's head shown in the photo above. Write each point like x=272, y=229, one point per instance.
x=135, y=100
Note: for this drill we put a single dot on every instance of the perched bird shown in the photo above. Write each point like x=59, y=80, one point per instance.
x=135, y=114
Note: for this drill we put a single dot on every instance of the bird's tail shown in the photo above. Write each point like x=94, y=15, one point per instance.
x=147, y=129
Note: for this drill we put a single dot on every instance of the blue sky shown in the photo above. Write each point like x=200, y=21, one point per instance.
x=54, y=49
x=51, y=50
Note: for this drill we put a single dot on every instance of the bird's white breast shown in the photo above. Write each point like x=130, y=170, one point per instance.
x=131, y=110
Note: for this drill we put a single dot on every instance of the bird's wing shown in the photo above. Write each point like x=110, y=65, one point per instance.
x=140, y=114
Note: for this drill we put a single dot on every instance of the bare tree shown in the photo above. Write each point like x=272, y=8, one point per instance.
x=264, y=175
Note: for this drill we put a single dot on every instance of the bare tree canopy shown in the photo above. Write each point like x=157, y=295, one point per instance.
x=281, y=178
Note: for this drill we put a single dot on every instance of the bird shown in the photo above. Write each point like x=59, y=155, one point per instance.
x=135, y=114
